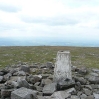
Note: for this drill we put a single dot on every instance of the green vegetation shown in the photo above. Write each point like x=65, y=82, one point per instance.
x=80, y=56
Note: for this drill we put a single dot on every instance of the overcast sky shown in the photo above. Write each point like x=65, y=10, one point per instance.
x=49, y=18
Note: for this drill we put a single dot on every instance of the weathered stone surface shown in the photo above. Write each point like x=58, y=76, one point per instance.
x=6, y=93
x=33, y=79
x=25, y=68
x=96, y=96
x=23, y=83
x=90, y=97
x=7, y=76
x=74, y=97
x=45, y=82
x=62, y=68
x=87, y=91
x=93, y=79
x=49, y=89
x=81, y=80
x=19, y=73
x=60, y=95
x=49, y=65
x=1, y=78
x=71, y=91
x=24, y=93
x=64, y=84
x=95, y=70
x=83, y=96
x=82, y=71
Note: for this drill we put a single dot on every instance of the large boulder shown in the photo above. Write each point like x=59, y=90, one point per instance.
x=24, y=93
x=49, y=89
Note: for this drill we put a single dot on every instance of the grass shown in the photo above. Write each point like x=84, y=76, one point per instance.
x=80, y=56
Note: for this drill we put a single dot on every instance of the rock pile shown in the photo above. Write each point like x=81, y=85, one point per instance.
x=36, y=82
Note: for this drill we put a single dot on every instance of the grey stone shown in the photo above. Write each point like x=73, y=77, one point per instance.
x=33, y=79
x=75, y=97
x=88, y=86
x=38, y=88
x=49, y=89
x=23, y=83
x=1, y=78
x=96, y=96
x=83, y=71
x=94, y=74
x=93, y=80
x=60, y=95
x=90, y=97
x=78, y=86
x=71, y=91
x=83, y=96
x=19, y=73
x=41, y=97
x=24, y=93
x=7, y=76
x=45, y=82
x=49, y=65
x=95, y=70
x=65, y=84
x=87, y=91
x=94, y=86
x=81, y=80
x=25, y=68
x=6, y=93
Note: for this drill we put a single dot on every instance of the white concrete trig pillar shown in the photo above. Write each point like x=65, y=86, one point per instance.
x=62, y=68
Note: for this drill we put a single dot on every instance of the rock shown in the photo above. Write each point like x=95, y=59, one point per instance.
x=25, y=68
x=81, y=80
x=44, y=76
x=60, y=95
x=87, y=91
x=96, y=96
x=9, y=85
x=74, y=68
x=41, y=97
x=94, y=86
x=23, y=83
x=7, y=76
x=38, y=88
x=90, y=97
x=95, y=70
x=45, y=82
x=83, y=96
x=82, y=71
x=71, y=91
x=93, y=80
x=49, y=65
x=1, y=79
x=78, y=86
x=24, y=93
x=6, y=93
x=68, y=83
x=33, y=79
x=74, y=97
x=49, y=89
x=94, y=74
x=19, y=73
x=88, y=87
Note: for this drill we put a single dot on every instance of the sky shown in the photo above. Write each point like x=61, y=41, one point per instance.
x=67, y=19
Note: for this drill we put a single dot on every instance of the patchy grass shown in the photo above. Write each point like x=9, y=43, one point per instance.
x=80, y=56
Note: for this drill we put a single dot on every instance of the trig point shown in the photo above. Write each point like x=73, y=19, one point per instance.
x=62, y=68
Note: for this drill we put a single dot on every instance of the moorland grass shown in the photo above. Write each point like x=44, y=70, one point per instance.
x=80, y=56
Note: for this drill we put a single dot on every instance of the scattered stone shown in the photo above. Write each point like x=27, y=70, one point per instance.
x=19, y=73
x=74, y=97
x=71, y=91
x=60, y=95
x=93, y=79
x=65, y=84
x=90, y=97
x=87, y=91
x=49, y=89
x=1, y=79
x=25, y=68
x=96, y=96
x=24, y=93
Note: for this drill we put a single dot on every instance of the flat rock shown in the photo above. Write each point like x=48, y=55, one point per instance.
x=49, y=89
x=24, y=93
x=60, y=95
x=96, y=96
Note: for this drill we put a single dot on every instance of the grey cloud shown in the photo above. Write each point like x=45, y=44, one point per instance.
x=8, y=8
x=54, y=21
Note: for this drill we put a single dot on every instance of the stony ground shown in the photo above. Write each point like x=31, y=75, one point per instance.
x=24, y=81
x=80, y=56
